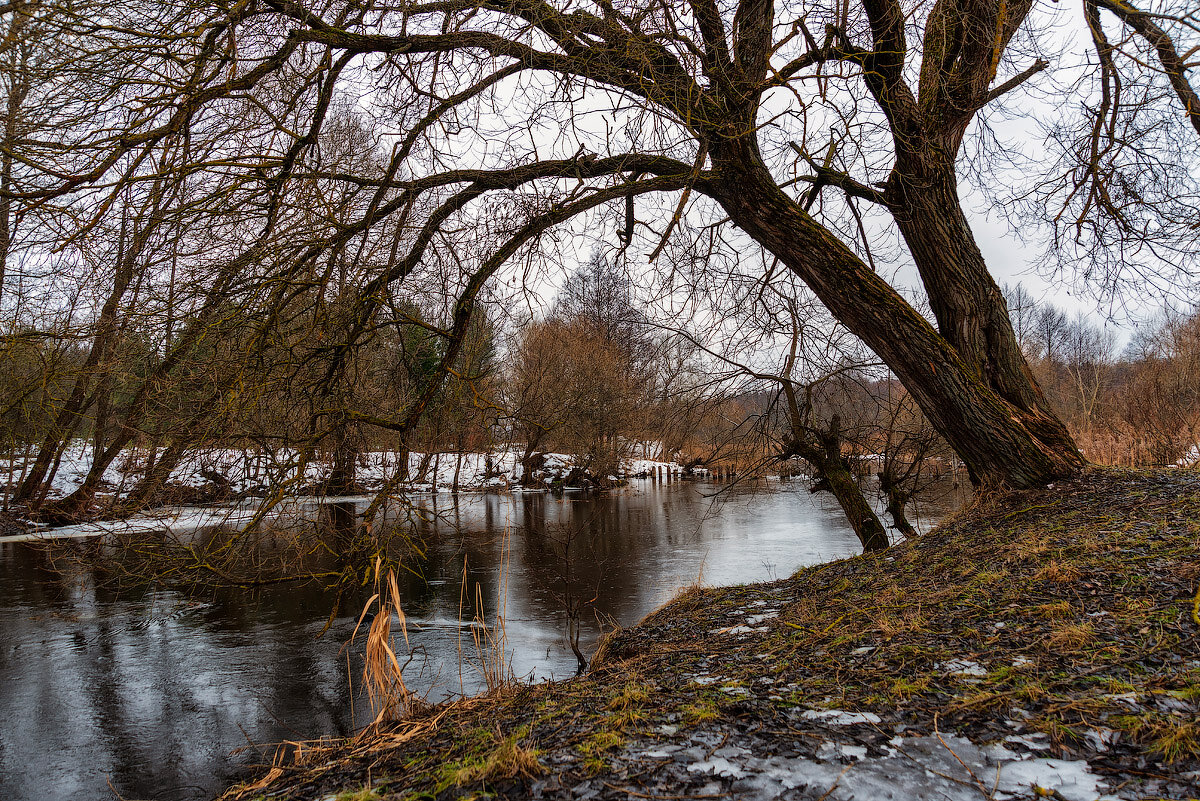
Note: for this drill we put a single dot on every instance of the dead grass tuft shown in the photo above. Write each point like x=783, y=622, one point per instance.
x=1071, y=637
x=1059, y=610
x=630, y=695
x=1058, y=572
x=1170, y=737
x=890, y=625
x=508, y=760
x=382, y=673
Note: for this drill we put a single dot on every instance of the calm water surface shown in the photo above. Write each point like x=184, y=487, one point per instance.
x=156, y=694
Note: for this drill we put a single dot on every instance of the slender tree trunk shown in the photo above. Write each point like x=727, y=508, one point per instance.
x=343, y=474
x=528, y=458
x=823, y=450
x=1002, y=442
x=897, y=500
x=158, y=471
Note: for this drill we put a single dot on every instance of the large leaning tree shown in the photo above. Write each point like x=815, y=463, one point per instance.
x=496, y=124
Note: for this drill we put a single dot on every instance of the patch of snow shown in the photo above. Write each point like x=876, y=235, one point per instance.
x=998, y=753
x=1191, y=458
x=831, y=751
x=836, y=717
x=754, y=620
x=923, y=768
x=718, y=766
x=1031, y=741
x=963, y=667
x=1070, y=780
x=660, y=753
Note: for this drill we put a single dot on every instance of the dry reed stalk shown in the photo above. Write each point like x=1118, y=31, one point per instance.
x=491, y=649
x=383, y=675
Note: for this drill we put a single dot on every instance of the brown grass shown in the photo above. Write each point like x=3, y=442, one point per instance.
x=382, y=674
x=506, y=761
x=1058, y=572
x=1071, y=637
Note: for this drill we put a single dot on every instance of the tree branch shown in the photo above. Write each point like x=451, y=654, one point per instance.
x=1173, y=64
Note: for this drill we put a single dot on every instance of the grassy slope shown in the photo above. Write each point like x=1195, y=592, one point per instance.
x=1076, y=602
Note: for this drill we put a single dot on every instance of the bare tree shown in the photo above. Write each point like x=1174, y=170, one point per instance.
x=716, y=118
x=1161, y=404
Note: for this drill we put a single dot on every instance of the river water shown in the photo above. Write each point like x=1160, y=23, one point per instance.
x=158, y=694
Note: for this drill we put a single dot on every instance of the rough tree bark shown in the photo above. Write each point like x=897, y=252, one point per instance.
x=1003, y=441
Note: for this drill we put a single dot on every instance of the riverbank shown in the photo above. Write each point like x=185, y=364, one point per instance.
x=222, y=473
x=210, y=478
x=1046, y=643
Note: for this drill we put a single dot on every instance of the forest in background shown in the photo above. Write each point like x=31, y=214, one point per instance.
x=594, y=378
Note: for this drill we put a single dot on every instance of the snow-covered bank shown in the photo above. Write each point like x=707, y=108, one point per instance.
x=244, y=472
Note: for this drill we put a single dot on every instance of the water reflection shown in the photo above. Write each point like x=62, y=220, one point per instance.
x=152, y=690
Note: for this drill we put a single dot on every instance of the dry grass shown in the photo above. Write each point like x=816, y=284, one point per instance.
x=1071, y=637
x=630, y=695
x=1054, y=611
x=1170, y=737
x=508, y=760
x=365, y=794
x=382, y=674
x=890, y=625
x=1058, y=572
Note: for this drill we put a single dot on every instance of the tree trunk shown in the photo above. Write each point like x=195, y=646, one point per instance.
x=897, y=500
x=969, y=307
x=343, y=472
x=158, y=471
x=1002, y=442
x=823, y=450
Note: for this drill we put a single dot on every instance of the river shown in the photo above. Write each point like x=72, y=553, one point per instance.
x=161, y=694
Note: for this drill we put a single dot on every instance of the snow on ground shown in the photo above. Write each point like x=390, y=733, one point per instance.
x=257, y=472
x=1191, y=458
x=942, y=767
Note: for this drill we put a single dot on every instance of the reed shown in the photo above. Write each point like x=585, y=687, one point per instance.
x=383, y=675
x=491, y=648
x=491, y=642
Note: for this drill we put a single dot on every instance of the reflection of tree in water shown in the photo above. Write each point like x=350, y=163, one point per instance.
x=152, y=688
x=574, y=551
